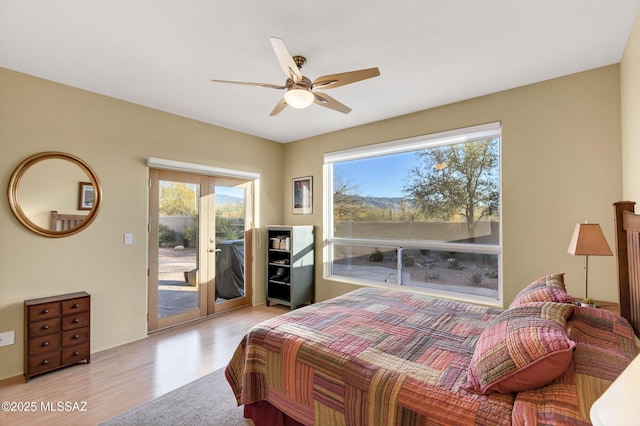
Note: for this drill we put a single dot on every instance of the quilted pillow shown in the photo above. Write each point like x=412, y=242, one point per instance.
x=523, y=348
x=549, y=288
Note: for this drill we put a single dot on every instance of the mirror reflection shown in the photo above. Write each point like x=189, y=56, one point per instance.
x=54, y=194
x=48, y=186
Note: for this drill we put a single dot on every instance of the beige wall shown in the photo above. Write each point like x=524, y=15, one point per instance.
x=630, y=111
x=114, y=138
x=561, y=161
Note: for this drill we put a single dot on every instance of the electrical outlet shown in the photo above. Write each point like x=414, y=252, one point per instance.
x=7, y=338
x=128, y=239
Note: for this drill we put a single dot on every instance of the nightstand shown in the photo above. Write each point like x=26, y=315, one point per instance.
x=609, y=306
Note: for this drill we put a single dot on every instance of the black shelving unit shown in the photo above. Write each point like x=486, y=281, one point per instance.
x=290, y=265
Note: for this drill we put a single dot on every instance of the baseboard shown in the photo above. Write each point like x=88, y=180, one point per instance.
x=11, y=381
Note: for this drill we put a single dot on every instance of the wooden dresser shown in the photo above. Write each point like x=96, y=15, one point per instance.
x=609, y=306
x=57, y=332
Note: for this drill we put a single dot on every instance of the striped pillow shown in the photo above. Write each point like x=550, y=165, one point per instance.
x=549, y=288
x=523, y=348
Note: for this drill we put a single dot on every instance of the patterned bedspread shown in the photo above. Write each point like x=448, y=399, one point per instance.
x=387, y=357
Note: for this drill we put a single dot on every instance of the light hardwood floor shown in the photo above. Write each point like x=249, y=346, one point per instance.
x=127, y=376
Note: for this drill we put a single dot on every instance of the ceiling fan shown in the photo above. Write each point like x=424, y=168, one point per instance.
x=299, y=89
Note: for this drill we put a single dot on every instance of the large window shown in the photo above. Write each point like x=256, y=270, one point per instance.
x=421, y=212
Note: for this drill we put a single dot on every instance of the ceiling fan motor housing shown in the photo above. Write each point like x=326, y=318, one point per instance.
x=299, y=60
x=304, y=84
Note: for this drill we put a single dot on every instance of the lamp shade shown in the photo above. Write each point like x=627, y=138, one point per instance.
x=588, y=240
x=298, y=98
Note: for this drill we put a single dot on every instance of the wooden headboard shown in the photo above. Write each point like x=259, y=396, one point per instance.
x=627, y=225
x=63, y=222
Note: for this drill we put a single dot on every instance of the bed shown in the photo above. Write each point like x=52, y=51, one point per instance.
x=63, y=221
x=388, y=357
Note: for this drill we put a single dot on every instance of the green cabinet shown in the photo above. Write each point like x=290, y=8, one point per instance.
x=290, y=265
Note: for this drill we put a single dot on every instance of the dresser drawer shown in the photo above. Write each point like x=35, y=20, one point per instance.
x=75, y=354
x=42, y=328
x=44, y=362
x=74, y=337
x=44, y=311
x=43, y=344
x=75, y=305
x=70, y=322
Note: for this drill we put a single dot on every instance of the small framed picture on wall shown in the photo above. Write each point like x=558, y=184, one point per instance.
x=85, y=196
x=303, y=195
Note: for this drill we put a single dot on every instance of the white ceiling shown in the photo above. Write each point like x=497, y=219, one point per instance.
x=163, y=53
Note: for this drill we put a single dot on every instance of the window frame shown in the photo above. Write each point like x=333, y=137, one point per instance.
x=463, y=135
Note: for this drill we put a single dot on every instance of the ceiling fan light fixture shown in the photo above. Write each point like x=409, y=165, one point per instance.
x=298, y=98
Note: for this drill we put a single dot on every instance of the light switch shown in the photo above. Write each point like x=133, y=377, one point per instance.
x=128, y=238
x=7, y=338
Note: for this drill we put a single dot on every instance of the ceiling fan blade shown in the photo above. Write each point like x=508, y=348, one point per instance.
x=268, y=85
x=279, y=107
x=329, y=102
x=337, y=80
x=285, y=59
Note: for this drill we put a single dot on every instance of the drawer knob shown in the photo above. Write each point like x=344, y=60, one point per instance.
x=45, y=361
x=76, y=353
x=75, y=306
x=45, y=311
x=45, y=343
x=45, y=327
x=76, y=336
x=76, y=320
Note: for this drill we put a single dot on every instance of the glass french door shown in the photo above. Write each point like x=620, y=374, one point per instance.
x=199, y=264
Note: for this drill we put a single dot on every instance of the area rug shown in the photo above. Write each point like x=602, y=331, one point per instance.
x=206, y=401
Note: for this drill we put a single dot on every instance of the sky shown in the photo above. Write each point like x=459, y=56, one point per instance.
x=231, y=191
x=372, y=175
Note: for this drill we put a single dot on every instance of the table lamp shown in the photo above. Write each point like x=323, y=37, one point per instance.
x=588, y=240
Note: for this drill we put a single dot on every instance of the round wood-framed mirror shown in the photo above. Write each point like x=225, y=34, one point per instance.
x=54, y=194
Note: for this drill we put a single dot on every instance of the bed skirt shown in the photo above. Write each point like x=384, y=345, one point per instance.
x=264, y=414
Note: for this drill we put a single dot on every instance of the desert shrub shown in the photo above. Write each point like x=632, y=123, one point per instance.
x=376, y=256
x=433, y=274
x=493, y=273
x=475, y=278
x=166, y=235
x=454, y=264
x=225, y=229
x=408, y=260
x=189, y=234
